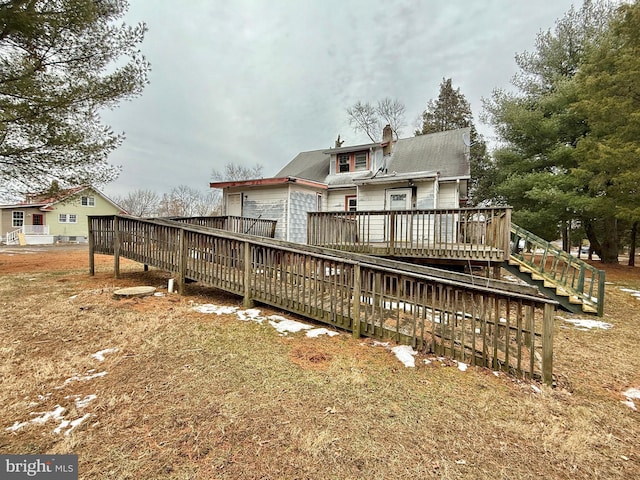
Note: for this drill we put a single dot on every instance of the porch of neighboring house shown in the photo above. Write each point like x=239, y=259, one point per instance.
x=29, y=235
x=27, y=227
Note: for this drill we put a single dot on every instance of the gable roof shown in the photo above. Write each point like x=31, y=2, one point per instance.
x=313, y=165
x=46, y=202
x=442, y=153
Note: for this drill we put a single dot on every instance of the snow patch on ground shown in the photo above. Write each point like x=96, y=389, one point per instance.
x=100, y=355
x=631, y=394
x=316, y=332
x=282, y=324
x=587, y=324
x=405, y=354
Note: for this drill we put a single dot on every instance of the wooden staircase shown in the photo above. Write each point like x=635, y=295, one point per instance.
x=575, y=285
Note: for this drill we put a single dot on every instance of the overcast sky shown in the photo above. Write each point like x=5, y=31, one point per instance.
x=255, y=81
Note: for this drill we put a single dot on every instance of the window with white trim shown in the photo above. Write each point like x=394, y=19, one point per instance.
x=88, y=201
x=17, y=219
x=352, y=162
x=351, y=203
x=67, y=218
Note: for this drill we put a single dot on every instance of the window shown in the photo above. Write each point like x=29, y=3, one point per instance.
x=344, y=162
x=352, y=162
x=67, y=218
x=351, y=203
x=88, y=201
x=17, y=219
x=318, y=202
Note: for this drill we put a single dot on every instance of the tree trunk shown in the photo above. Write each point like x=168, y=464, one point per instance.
x=632, y=247
x=607, y=250
x=566, y=241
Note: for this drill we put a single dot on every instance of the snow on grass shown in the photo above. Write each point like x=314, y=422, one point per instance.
x=217, y=309
x=316, y=332
x=634, y=293
x=586, y=324
x=81, y=378
x=41, y=419
x=282, y=324
x=406, y=355
x=70, y=425
x=289, y=326
x=81, y=403
x=631, y=394
x=100, y=355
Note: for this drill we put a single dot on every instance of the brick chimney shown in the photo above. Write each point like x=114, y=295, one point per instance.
x=387, y=140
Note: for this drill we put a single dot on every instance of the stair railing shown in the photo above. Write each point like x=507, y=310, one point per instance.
x=558, y=267
x=12, y=237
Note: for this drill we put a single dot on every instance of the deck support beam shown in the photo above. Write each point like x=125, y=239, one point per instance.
x=357, y=294
x=547, y=344
x=116, y=248
x=247, y=300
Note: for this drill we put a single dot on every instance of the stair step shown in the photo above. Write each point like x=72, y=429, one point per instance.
x=589, y=309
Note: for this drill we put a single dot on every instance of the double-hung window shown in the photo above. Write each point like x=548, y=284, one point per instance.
x=88, y=201
x=352, y=162
x=17, y=219
x=67, y=218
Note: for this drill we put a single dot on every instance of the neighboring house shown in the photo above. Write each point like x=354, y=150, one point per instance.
x=46, y=219
x=422, y=172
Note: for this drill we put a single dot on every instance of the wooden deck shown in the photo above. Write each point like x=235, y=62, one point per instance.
x=443, y=235
x=474, y=320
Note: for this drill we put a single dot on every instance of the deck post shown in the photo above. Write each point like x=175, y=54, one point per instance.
x=247, y=301
x=601, y=282
x=392, y=233
x=182, y=262
x=547, y=344
x=116, y=247
x=355, y=308
x=92, y=264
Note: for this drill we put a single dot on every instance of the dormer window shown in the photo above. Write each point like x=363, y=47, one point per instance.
x=352, y=162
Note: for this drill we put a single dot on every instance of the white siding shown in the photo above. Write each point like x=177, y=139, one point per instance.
x=371, y=197
x=448, y=195
x=424, y=195
x=335, y=199
x=267, y=203
x=301, y=201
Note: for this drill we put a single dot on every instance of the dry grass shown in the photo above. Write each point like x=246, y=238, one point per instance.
x=190, y=395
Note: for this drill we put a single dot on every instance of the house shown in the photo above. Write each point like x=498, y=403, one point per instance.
x=423, y=172
x=50, y=218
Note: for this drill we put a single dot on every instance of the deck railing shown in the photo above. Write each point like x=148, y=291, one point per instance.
x=478, y=321
x=251, y=226
x=559, y=268
x=461, y=233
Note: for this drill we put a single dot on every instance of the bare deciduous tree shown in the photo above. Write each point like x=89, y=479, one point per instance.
x=185, y=201
x=141, y=203
x=369, y=119
x=233, y=172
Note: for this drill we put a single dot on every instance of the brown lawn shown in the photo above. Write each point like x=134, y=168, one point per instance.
x=185, y=395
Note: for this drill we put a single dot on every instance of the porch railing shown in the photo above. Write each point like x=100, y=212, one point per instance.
x=260, y=227
x=569, y=275
x=13, y=236
x=461, y=233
